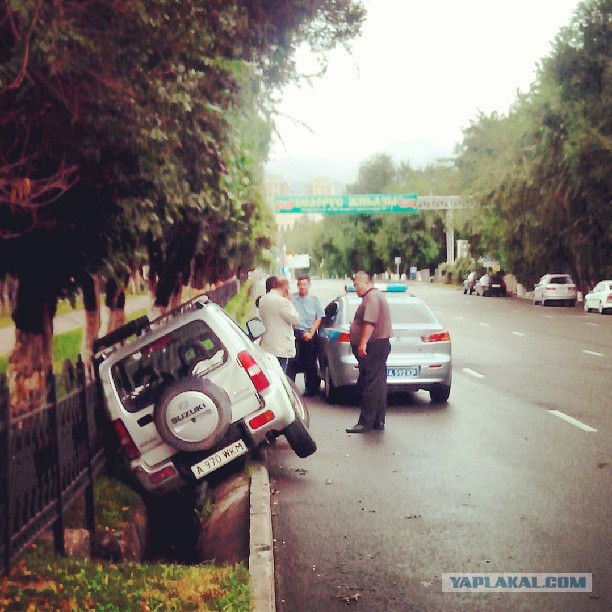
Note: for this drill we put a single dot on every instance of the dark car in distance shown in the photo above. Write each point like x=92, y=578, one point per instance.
x=491, y=284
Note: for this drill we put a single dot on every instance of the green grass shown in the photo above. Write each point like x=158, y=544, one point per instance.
x=68, y=345
x=239, y=307
x=41, y=581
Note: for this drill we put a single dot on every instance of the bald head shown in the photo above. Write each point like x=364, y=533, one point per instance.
x=361, y=282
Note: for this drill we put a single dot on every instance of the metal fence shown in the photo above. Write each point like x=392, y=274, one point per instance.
x=50, y=456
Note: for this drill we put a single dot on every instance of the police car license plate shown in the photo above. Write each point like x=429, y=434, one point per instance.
x=216, y=460
x=402, y=372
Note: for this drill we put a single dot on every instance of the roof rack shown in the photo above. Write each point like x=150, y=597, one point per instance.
x=188, y=306
x=132, y=328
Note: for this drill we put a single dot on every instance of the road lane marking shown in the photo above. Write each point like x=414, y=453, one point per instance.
x=461, y=318
x=593, y=324
x=593, y=353
x=473, y=373
x=518, y=334
x=485, y=324
x=572, y=420
x=548, y=316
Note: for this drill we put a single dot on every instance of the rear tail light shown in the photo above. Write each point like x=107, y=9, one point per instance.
x=261, y=419
x=168, y=472
x=437, y=337
x=572, y=287
x=128, y=445
x=344, y=337
x=258, y=378
x=609, y=298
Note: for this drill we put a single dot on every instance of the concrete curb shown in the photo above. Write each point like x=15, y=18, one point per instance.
x=261, y=551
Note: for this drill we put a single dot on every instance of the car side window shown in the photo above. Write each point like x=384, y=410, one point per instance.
x=331, y=311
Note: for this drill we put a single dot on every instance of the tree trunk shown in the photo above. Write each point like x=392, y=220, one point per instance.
x=32, y=355
x=115, y=302
x=91, y=301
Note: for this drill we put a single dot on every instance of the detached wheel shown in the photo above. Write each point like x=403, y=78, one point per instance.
x=193, y=414
x=440, y=394
x=297, y=433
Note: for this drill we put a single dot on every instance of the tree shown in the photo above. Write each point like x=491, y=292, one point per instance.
x=125, y=139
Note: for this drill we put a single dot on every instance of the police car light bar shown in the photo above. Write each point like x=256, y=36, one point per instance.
x=391, y=288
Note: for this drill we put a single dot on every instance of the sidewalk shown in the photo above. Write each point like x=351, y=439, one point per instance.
x=74, y=320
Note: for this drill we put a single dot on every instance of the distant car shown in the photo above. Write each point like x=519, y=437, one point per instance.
x=558, y=288
x=191, y=391
x=600, y=299
x=420, y=358
x=490, y=284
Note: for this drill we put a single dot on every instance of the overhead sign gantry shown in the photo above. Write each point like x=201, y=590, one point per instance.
x=376, y=203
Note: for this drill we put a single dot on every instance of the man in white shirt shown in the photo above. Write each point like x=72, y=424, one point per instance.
x=279, y=316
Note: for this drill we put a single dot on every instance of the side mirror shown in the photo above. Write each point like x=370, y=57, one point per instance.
x=256, y=328
x=331, y=310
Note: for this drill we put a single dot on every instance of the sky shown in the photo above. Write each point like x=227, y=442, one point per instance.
x=421, y=71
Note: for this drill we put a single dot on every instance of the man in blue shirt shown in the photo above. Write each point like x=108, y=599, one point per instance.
x=306, y=336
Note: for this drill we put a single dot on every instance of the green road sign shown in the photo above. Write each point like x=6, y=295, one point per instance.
x=348, y=204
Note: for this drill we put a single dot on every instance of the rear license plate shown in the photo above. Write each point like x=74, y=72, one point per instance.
x=216, y=460
x=402, y=372
x=496, y=286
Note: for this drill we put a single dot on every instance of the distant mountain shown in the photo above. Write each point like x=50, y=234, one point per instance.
x=298, y=171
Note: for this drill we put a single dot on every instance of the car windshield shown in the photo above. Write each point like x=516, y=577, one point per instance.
x=140, y=377
x=402, y=313
x=560, y=280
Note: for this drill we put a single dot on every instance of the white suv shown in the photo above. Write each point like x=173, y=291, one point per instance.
x=191, y=392
x=558, y=288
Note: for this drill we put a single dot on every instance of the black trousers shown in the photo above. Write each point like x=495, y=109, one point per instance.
x=305, y=360
x=372, y=382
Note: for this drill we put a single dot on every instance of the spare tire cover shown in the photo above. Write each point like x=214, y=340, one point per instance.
x=193, y=414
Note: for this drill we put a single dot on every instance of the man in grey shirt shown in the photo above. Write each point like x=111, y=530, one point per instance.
x=369, y=333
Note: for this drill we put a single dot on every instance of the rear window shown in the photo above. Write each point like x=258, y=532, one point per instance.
x=496, y=278
x=140, y=377
x=405, y=313
x=561, y=280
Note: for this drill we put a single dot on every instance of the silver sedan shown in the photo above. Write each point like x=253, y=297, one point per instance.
x=421, y=356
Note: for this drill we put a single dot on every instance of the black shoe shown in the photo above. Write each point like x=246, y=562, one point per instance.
x=379, y=426
x=358, y=429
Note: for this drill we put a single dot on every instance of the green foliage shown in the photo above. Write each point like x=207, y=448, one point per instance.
x=43, y=581
x=140, y=132
x=240, y=306
x=542, y=174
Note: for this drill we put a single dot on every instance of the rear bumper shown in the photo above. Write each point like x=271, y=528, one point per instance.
x=436, y=370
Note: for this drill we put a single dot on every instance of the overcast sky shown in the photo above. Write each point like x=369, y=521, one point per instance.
x=420, y=72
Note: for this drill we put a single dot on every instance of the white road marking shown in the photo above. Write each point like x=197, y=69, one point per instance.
x=473, y=373
x=593, y=324
x=593, y=353
x=572, y=420
x=518, y=334
x=548, y=316
x=458, y=317
x=485, y=324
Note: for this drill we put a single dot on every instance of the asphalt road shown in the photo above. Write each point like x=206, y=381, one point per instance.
x=491, y=482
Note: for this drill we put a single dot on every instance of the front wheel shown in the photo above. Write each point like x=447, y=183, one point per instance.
x=440, y=394
x=330, y=391
x=297, y=433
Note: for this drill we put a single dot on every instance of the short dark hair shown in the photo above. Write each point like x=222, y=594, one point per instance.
x=270, y=283
x=303, y=277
